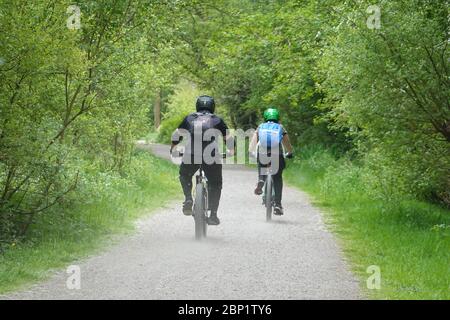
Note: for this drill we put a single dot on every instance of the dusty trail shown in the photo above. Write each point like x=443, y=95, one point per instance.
x=293, y=257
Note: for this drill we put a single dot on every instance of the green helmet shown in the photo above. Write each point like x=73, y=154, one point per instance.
x=271, y=114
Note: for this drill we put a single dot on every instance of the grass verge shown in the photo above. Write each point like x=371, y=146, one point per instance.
x=73, y=232
x=407, y=239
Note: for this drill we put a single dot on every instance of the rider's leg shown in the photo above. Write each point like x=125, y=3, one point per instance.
x=214, y=175
x=278, y=183
x=278, y=187
x=261, y=180
x=186, y=173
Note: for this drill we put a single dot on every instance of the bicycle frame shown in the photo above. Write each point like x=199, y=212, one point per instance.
x=269, y=191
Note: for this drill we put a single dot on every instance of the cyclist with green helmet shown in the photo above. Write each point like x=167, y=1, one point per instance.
x=271, y=141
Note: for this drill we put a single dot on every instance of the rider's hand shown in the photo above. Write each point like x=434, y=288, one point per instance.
x=290, y=155
x=230, y=152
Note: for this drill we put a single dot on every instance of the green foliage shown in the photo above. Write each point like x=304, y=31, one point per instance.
x=380, y=93
x=257, y=54
x=181, y=103
x=168, y=126
x=72, y=102
x=407, y=238
x=110, y=205
x=390, y=88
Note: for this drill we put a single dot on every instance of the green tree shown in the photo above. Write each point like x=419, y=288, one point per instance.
x=72, y=101
x=390, y=87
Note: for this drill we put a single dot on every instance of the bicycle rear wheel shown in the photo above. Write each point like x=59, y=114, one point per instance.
x=268, y=197
x=199, y=212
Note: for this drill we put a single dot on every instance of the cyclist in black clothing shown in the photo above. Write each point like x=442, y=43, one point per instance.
x=193, y=128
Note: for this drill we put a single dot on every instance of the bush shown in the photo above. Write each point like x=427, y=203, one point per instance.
x=181, y=103
x=168, y=126
x=108, y=203
x=381, y=225
x=389, y=88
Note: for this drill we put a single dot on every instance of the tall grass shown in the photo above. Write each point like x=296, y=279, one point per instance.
x=407, y=238
x=73, y=231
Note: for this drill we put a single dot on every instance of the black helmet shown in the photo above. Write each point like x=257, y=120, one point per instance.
x=206, y=103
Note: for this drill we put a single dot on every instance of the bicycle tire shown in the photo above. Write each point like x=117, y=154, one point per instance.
x=205, y=212
x=199, y=215
x=268, y=197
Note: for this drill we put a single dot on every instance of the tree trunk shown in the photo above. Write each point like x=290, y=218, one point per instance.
x=157, y=110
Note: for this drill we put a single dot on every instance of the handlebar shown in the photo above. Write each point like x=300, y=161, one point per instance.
x=224, y=155
x=286, y=155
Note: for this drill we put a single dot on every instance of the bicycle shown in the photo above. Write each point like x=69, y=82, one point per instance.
x=269, y=191
x=201, y=202
x=269, y=195
x=200, y=212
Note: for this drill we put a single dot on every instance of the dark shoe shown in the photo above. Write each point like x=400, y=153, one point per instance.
x=278, y=210
x=259, y=188
x=213, y=220
x=187, y=207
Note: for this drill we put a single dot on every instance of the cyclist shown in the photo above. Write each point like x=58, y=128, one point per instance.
x=269, y=140
x=194, y=154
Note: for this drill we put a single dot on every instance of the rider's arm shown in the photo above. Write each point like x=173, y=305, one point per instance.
x=176, y=139
x=173, y=145
x=229, y=141
x=287, y=144
x=176, y=136
x=228, y=138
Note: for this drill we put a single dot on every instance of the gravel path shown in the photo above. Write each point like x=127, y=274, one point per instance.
x=293, y=257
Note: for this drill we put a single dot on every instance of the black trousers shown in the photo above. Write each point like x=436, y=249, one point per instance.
x=277, y=178
x=213, y=173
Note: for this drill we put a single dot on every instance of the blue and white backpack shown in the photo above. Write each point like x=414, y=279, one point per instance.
x=270, y=134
